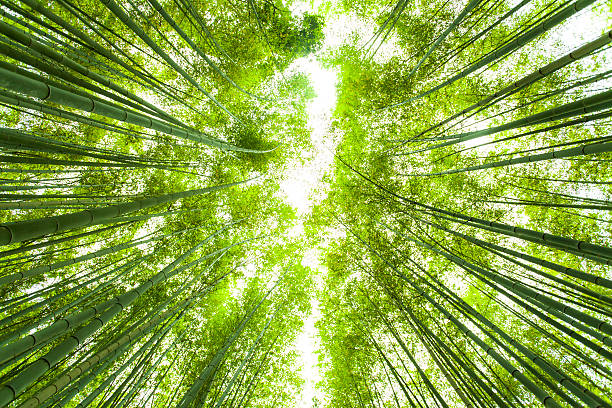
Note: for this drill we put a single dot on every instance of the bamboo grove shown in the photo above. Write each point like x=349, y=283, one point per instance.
x=144, y=257
x=470, y=205
x=147, y=254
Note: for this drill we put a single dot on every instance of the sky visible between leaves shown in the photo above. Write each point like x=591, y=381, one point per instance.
x=301, y=183
x=300, y=186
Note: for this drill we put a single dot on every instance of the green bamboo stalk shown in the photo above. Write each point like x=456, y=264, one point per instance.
x=206, y=376
x=125, y=19
x=32, y=229
x=509, y=47
x=46, y=11
x=581, y=248
x=11, y=389
x=574, y=273
x=466, y=10
x=533, y=77
x=159, y=8
x=590, y=104
x=540, y=394
x=31, y=87
x=555, y=373
x=246, y=359
x=594, y=148
x=38, y=49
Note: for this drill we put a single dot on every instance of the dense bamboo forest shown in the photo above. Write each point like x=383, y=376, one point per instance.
x=183, y=194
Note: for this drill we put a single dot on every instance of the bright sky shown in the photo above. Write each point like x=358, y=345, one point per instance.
x=307, y=342
x=302, y=180
x=299, y=186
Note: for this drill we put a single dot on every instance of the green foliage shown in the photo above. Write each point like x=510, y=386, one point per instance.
x=450, y=274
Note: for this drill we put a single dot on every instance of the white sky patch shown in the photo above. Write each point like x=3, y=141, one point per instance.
x=481, y=150
x=307, y=343
x=249, y=271
x=299, y=185
x=302, y=179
